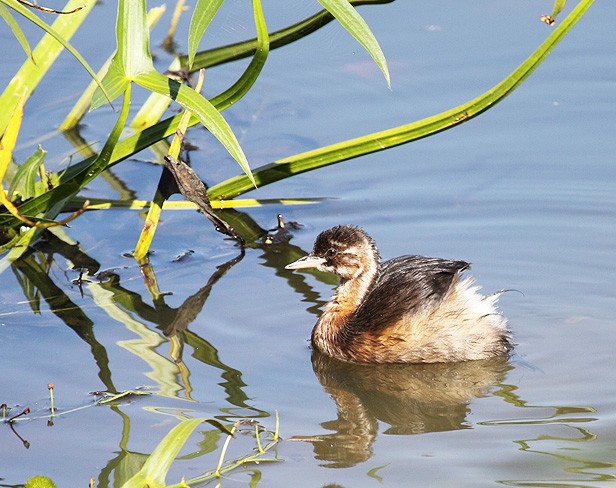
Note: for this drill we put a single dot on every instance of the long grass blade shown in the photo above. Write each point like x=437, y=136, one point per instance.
x=85, y=100
x=205, y=10
x=199, y=106
x=17, y=32
x=400, y=135
x=348, y=17
x=248, y=78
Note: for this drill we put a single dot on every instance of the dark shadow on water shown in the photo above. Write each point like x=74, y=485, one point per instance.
x=409, y=398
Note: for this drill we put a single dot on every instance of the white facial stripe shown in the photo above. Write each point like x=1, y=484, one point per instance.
x=353, y=250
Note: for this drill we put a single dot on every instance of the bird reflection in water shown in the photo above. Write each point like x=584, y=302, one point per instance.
x=410, y=398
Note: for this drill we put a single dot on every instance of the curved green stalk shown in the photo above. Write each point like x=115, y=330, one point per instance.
x=379, y=141
x=234, y=93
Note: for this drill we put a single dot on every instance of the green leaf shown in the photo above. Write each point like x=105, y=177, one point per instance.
x=53, y=201
x=85, y=100
x=133, y=38
x=205, y=10
x=348, y=17
x=153, y=109
x=17, y=32
x=27, y=173
x=132, y=56
x=133, y=62
x=248, y=78
x=115, y=82
x=379, y=141
x=558, y=6
x=200, y=107
x=155, y=469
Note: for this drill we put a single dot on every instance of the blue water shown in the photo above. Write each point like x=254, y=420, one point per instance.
x=525, y=192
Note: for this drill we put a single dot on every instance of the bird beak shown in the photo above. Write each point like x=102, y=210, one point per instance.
x=309, y=261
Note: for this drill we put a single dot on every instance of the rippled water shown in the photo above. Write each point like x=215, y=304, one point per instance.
x=525, y=192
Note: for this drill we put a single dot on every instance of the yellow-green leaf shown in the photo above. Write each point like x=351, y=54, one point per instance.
x=154, y=471
x=205, y=10
x=348, y=17
x=199, y=107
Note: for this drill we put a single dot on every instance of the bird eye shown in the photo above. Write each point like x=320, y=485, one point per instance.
x=331, y=252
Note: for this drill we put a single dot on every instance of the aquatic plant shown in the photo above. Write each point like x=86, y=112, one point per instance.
x=35, y=197
x=153, y=471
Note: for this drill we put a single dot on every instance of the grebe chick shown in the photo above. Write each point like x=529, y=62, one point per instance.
x=410, y=309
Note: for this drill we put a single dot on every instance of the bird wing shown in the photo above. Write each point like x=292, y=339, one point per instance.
x=406, y=285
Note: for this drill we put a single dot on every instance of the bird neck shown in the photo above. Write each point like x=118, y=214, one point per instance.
x=351, y=292
x=332, y=329
x=357, y=279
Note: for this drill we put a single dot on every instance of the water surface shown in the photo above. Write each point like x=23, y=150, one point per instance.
x=525, y=192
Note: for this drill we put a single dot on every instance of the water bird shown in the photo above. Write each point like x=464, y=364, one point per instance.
x=409, y=309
